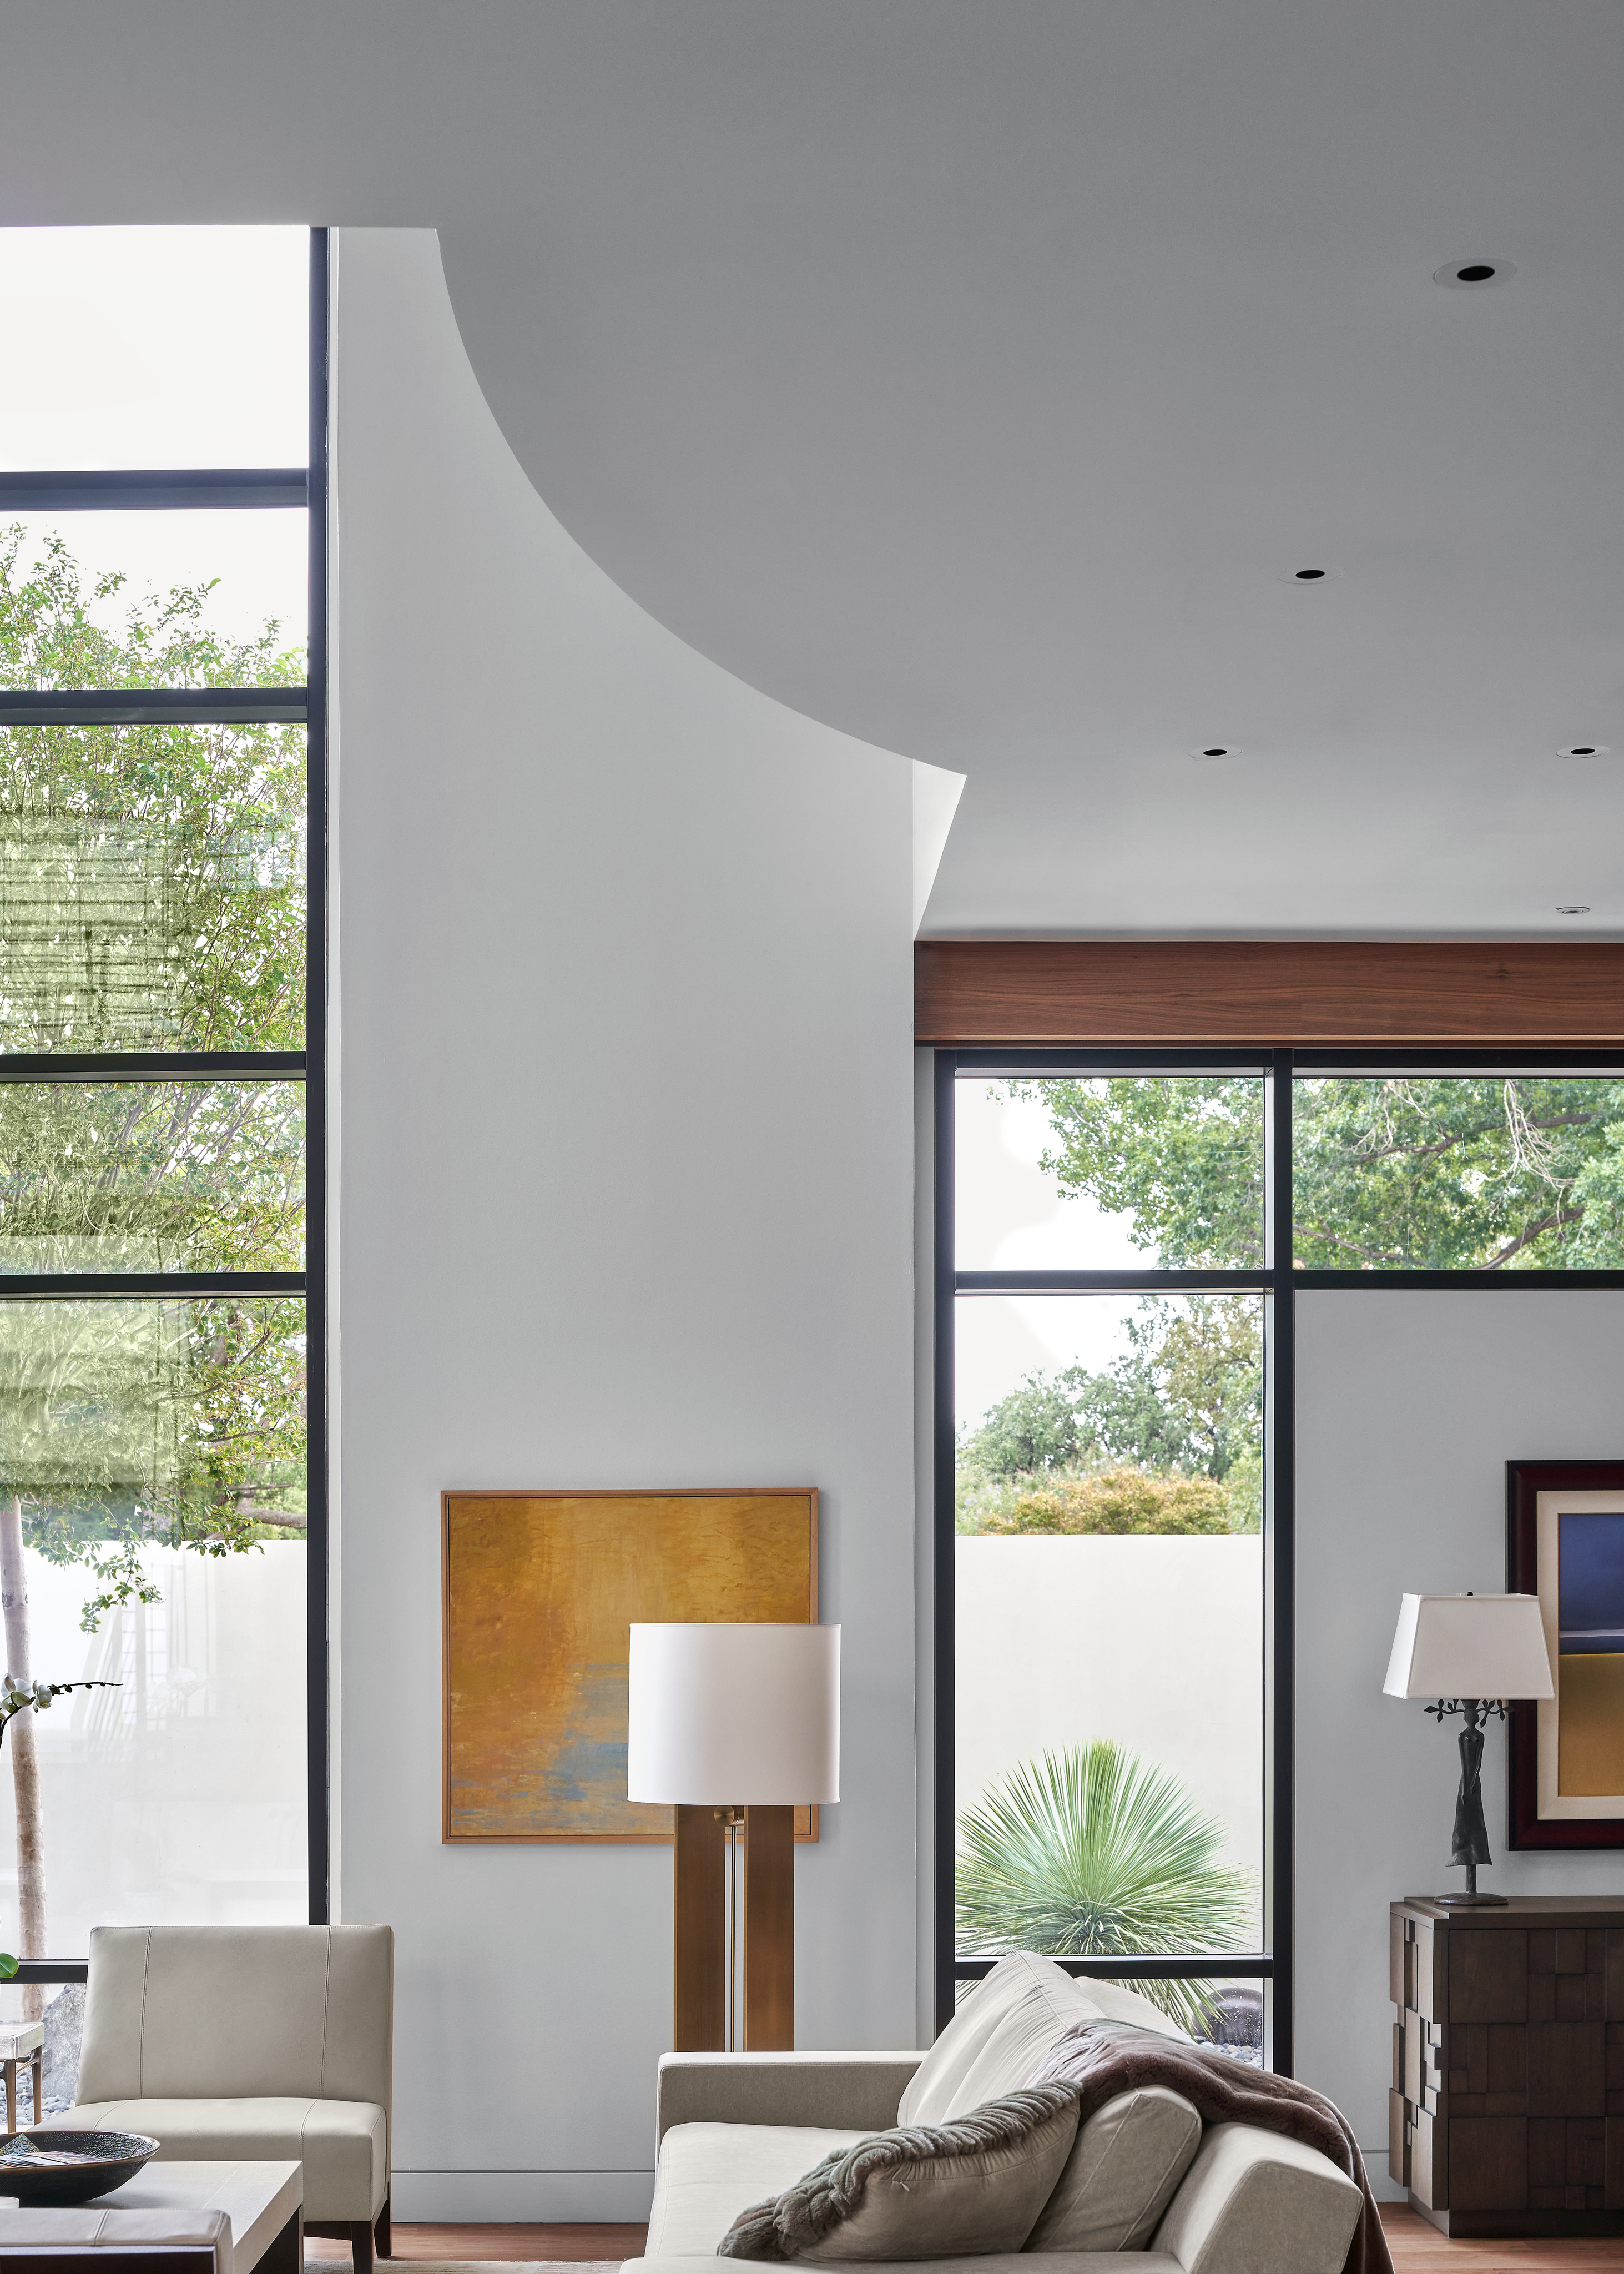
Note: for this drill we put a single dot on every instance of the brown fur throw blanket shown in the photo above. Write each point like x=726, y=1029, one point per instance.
x=1102, y=2058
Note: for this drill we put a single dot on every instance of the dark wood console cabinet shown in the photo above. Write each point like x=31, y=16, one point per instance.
x=1506, y=2113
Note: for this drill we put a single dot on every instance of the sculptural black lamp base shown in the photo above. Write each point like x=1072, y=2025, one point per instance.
x=1471, y=1653
x=1471, y=1843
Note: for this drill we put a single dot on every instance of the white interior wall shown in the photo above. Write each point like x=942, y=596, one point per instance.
x=626, y=1200
x=1409, y=1406
x=625, y=998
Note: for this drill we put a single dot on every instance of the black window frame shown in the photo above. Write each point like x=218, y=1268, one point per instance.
x=191, y=488
x=1279, y=1283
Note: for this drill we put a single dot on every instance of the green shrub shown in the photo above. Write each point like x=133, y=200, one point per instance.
x=1121, y=1499
x=1093, y=1854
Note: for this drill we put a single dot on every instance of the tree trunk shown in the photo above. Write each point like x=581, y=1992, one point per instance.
x=25, y=1755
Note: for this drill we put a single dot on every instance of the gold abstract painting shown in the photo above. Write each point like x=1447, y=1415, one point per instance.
x=541, y=1591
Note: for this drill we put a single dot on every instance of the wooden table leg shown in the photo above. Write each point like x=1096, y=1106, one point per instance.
x=11, y=2096
x=38, y=2066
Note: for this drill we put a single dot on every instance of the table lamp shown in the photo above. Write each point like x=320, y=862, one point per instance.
x=1472, y=1653
x=735, y=1727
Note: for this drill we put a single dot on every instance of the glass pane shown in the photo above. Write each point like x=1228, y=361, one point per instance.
x=1230, y=2017
x=1104, y=1173
x=154, y=347
x=152, y=1176
x=1469, y=1172
x=124, y=599
x=152, y=1460
x=1110, y=1626
x=152, y=888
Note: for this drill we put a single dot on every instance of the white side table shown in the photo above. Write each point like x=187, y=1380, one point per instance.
x=23, y=2043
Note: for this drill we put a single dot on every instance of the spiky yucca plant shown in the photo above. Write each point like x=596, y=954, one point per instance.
x=1091, y=1854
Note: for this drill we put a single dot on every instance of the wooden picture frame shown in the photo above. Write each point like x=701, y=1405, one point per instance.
x=1541, y=1814
x=538, y=1592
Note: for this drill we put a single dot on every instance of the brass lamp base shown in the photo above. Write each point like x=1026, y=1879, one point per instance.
x=768, y=1930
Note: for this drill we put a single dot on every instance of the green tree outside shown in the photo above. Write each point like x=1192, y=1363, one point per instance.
x=1397, y=1172
x=152, y=897
x=1393, y=1172
x=1181, y=1410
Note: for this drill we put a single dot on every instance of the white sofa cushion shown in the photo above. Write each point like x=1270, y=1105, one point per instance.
x=1255, y=2203
x=710, y=2173
x=343, y=2144
x=1120, y=2177
x=1003, y=2029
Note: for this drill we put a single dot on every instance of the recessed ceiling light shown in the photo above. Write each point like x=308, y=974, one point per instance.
x=1577, y=908
x=1581, y=749
x=1472, y=274
x=1213, y=751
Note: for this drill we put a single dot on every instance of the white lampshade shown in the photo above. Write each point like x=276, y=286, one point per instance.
x=744, y=1716
x=1469, y=1647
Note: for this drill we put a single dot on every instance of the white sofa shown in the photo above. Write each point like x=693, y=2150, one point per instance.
x=734, y=2128
x=255, y=2042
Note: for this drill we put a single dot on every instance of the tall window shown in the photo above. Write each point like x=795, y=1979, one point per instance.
x=1103, y=1334
x=161, y=986
x=1120, y=1239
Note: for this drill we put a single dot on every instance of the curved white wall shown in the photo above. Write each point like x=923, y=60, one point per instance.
x=625, y=1199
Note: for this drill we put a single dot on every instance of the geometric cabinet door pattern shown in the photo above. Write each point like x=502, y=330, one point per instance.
x=1507, y=2113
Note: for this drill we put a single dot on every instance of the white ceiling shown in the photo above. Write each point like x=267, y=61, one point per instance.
x=970, y=374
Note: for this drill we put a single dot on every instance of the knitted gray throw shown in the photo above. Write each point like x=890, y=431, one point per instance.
x=1102, y=2058
x=785, y=2225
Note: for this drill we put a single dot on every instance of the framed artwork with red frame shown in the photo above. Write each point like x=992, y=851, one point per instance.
x=1565, y=1756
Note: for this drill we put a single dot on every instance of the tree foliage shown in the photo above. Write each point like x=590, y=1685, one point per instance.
x=1184, y=1402
x=100, y=1175
x=1181, y=1156
x=1405, y=1172
x=152, y=897
x=1475, y=1172
x=1091, y=1854
x=1395, y=1173
x=152, y=890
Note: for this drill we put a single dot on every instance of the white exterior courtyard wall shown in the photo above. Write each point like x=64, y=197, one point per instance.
x=1155, y=1643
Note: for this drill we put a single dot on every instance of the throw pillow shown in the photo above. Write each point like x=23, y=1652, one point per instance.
x=954, y=2190
x=1122, y=2174
x=1002, y=2029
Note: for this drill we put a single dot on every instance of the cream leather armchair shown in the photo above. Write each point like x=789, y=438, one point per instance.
x=252, y=2041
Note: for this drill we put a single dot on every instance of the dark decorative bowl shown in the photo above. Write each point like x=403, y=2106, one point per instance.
x=58, y=2167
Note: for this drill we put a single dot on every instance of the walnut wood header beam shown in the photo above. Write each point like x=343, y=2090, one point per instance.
x=970, y=991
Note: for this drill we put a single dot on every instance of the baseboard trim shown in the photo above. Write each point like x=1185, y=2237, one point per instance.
x=545, y=2198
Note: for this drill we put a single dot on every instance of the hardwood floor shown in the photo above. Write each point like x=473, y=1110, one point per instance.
x=1418, y=2248
x=494, y=2243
